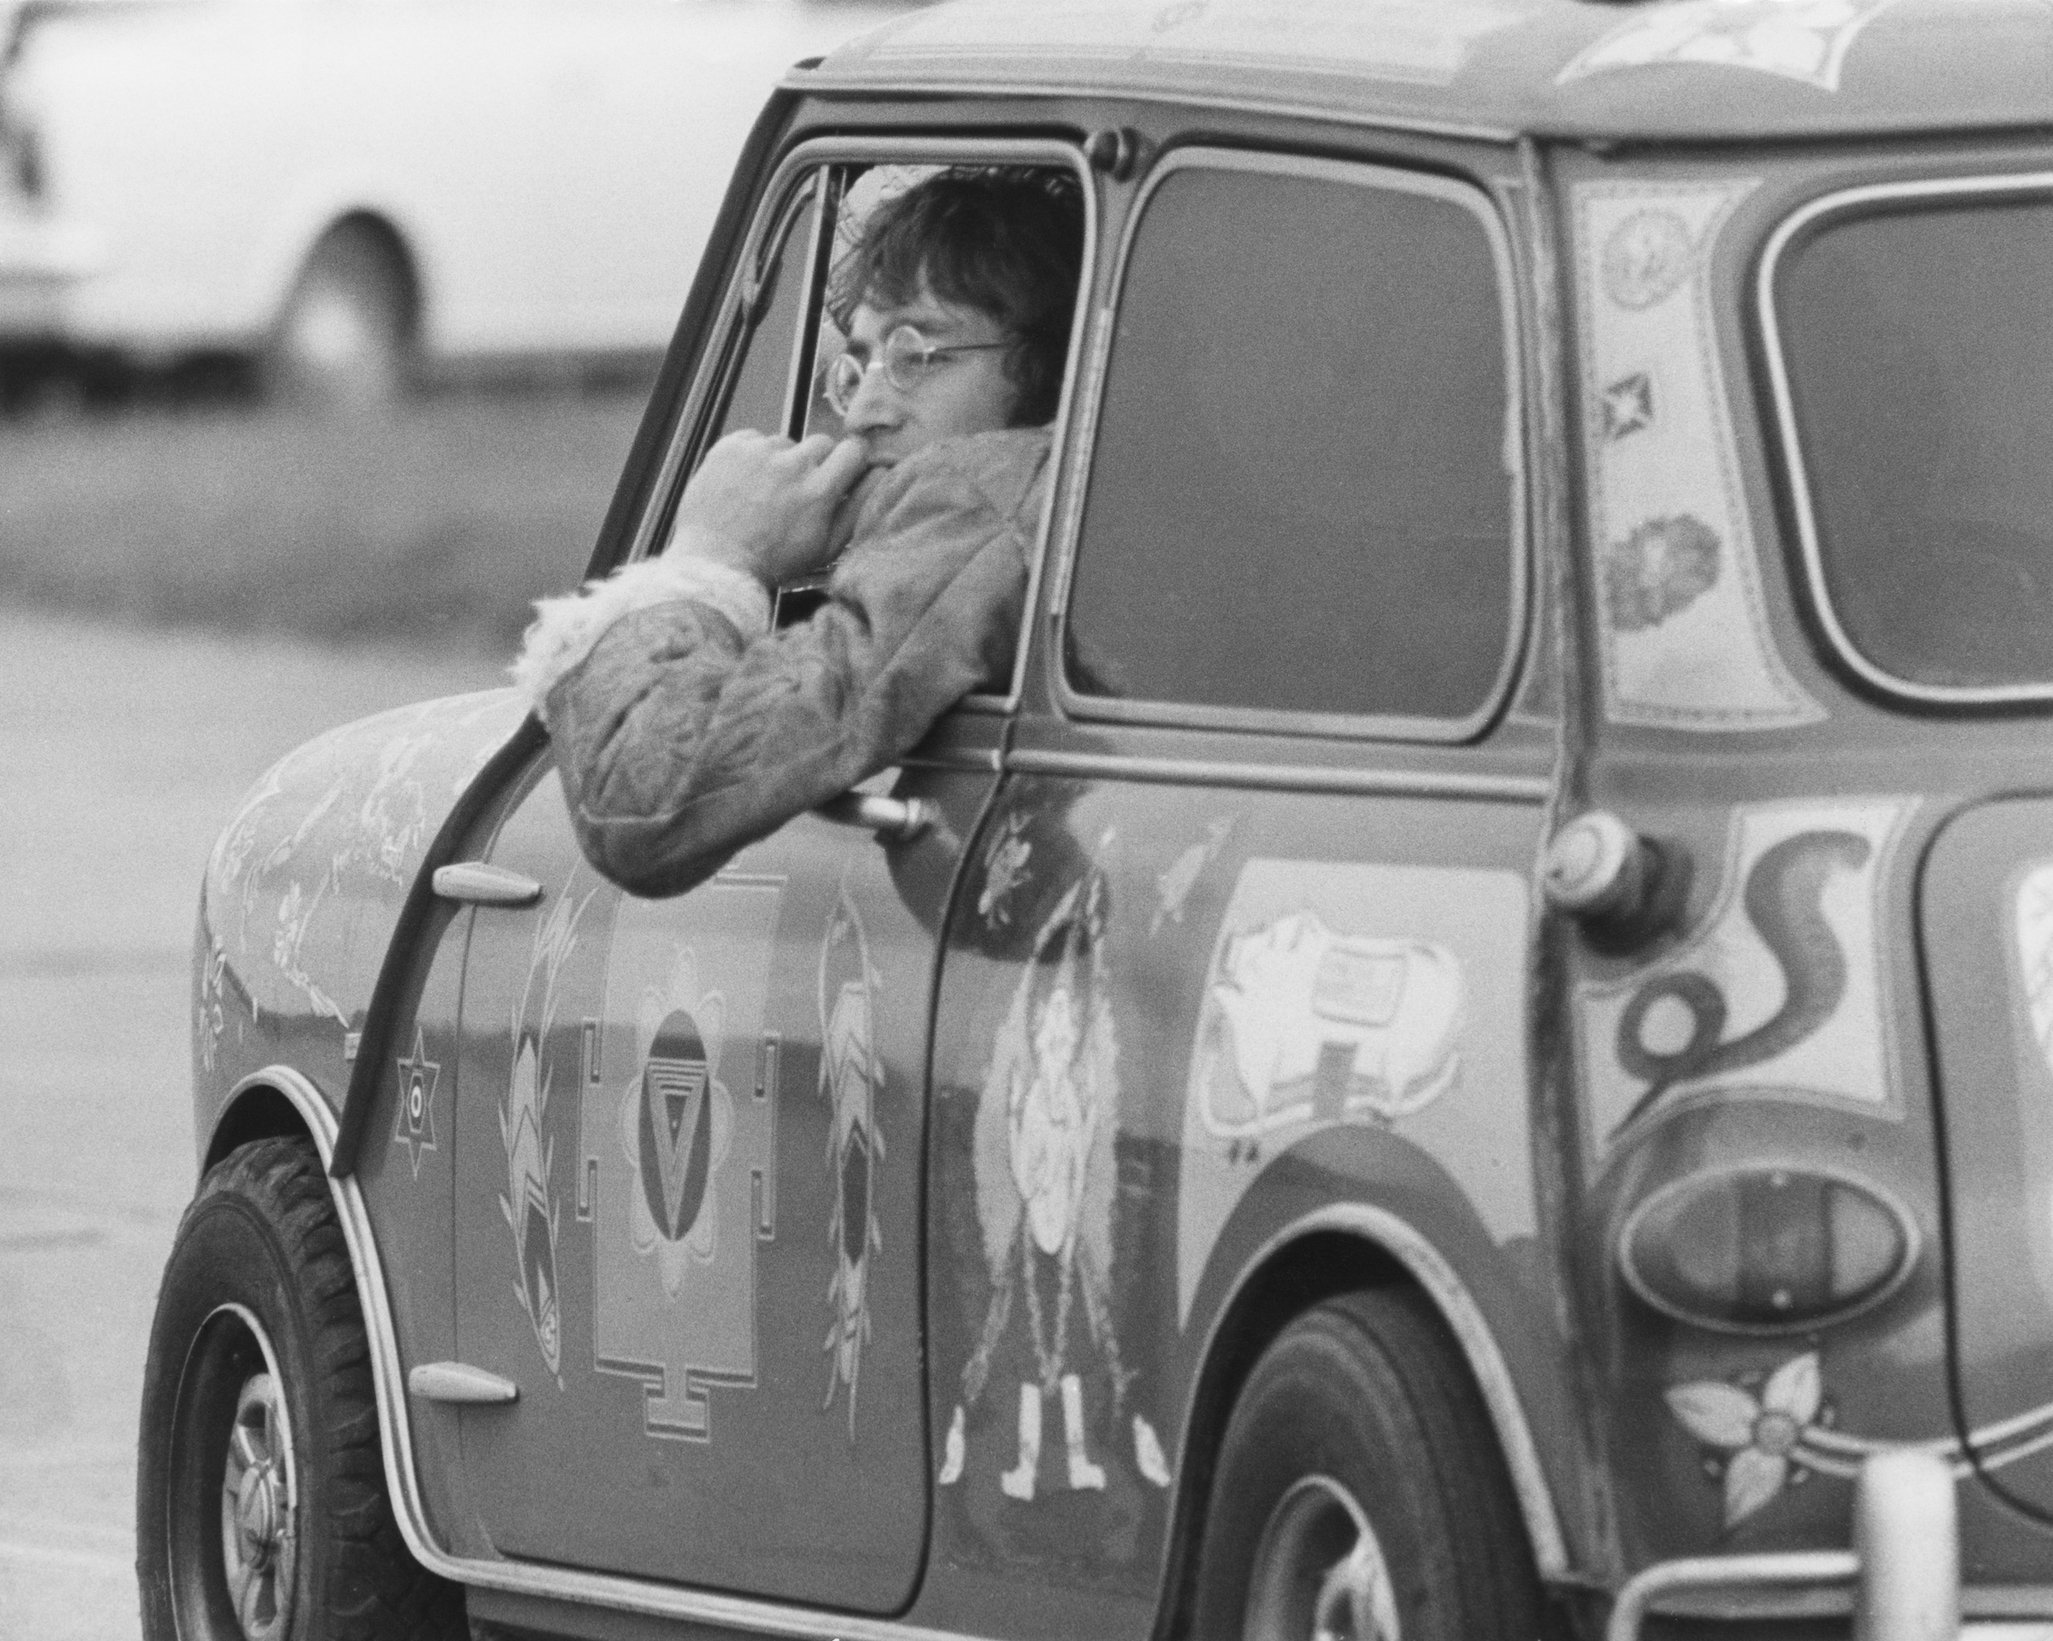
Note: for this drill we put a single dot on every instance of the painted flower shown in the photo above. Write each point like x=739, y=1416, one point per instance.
x=1759, y=1435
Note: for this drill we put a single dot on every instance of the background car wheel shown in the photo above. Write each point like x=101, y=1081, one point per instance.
x=345, y=336
x=261, y=1512
x=1359, y=1494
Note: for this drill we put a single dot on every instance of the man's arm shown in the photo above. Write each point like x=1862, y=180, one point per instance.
x=684, y=730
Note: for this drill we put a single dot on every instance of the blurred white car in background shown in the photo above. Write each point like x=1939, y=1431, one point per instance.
x=348, y=190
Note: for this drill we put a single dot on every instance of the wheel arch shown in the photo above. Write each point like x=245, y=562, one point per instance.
x=1335, y=1250
x=257, y=1110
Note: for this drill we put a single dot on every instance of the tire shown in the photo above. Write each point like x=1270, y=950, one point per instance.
x=344, y=337
x=261, y=1511
x=1359, y=1492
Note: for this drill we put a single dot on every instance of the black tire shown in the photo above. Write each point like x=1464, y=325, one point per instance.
x=344, y=337
x=1359, y=1486
x=258, y=1414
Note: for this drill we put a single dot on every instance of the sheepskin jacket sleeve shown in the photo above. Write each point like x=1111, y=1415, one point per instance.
x=685, y=730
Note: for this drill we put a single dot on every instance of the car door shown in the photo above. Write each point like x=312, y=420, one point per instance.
x=1249, y=931
x=688, y=1178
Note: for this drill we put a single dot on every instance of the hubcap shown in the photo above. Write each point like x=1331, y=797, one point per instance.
x=1319, y=1571
x=257, y=1545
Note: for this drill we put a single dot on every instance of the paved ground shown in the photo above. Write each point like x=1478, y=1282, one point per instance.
x=120, y=754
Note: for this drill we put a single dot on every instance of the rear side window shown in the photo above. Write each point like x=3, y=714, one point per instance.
x=1303, y=498
x=1915, y=334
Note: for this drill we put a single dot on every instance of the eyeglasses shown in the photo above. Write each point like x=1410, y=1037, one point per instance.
x=908, y=359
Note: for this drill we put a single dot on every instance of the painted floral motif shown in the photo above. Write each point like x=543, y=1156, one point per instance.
x=1757, y=1438
x=1005, y=870
x=1659, y=570
x=1647, y=258
x=209, y=1018
x=1173, y=886
x=1803, y=40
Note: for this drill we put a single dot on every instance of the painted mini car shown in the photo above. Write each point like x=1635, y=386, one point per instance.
x=1466, y=1050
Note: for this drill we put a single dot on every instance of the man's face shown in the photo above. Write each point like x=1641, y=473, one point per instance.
x=958, y=394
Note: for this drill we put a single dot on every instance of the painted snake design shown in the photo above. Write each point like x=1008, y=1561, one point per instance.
x=1784, y=895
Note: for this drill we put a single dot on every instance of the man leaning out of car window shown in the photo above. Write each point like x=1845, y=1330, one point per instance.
x=684, y=728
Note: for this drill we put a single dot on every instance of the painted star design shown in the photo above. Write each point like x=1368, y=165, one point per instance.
x=418, y=1076
x=1628, y=405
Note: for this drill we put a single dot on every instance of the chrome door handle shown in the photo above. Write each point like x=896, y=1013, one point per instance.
x=461, y=1384
x=476, y=884
x=895, y=820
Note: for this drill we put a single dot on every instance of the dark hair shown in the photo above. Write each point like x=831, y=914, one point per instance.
x=1006, y=240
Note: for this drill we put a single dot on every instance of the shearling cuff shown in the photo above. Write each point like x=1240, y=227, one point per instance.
x=565, y=629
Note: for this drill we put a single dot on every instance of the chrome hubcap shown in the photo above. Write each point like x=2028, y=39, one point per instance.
x=257, y=1545
x=1320, y=1574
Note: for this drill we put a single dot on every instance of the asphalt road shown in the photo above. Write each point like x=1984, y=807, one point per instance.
x=121, y=752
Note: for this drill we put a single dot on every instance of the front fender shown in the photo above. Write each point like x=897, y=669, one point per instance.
x=306, y=883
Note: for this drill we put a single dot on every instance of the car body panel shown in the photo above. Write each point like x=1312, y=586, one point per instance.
x=1692, y=70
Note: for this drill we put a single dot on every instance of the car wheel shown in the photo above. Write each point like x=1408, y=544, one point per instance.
x=261, y=1510
x=1359, y=1494
x=345, y=334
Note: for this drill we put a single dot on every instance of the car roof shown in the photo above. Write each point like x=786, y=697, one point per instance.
x=1668, y=70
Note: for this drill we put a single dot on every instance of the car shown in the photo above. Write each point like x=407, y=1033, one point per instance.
x=354, y=193
x=1464, y=1049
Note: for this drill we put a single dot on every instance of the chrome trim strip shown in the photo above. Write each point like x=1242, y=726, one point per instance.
x=607, y=1590
x=1365, y=174
x=1795, y=1569
x=1408, y=783
x=1459, y=1310
x=1849, y=199
x=808, y=82
x=775, y=199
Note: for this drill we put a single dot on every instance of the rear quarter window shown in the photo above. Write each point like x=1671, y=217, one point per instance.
x=1911, y=337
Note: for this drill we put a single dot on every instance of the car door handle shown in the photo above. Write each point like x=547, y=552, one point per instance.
x=895, y=820
x=477, y=884
x=460, y=1383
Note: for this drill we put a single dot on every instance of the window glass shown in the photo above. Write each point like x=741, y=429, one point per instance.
x=1919, y=346
x=1302, y=496
x=761, y=390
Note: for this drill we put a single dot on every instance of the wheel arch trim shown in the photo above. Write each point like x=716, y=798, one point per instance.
x=1397, y=1237
x=395, y=1431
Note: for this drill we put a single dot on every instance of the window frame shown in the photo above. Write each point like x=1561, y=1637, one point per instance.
x=1799, y=225
x=1078, y=705
x=695, y=421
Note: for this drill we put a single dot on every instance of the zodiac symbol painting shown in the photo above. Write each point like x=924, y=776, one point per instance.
x=1780, y=987
x=1045, y=1182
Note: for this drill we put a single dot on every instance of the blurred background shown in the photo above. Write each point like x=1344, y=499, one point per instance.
x=324, y=329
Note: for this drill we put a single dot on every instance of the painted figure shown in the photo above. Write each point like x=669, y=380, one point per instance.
x=1045, y=1180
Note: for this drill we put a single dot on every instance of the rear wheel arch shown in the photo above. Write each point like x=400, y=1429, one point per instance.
x=257, y=1111
x=1344, y=1249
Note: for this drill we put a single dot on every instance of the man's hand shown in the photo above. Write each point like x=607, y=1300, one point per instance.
x=763, y=505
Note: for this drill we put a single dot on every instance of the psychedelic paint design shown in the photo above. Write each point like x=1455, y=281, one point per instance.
x=1423, y=42
x=851, y=1081
x=420, y=1078
x=678, y=1148
x=1045, y=1188
x=1686, y=642
x=1765, y=1431
x=344, y=820
x=530, y=1206
x=1381, y=997
x=1780, y=987
x=1803, y=40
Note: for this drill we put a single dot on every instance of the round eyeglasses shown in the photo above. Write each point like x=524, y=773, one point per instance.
x=908, y=359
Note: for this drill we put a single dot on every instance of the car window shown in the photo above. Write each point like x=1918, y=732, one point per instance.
x=760, y=396
x=1919, y=359
x=1303, y=494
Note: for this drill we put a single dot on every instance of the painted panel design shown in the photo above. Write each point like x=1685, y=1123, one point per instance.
x=678, y=1151
x=1782, y=987
x=852, y=1082
x=1344, y=993
x=1804, y=40
x=1686, y=641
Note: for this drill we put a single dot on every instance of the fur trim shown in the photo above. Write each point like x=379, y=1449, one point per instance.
x=565, y=629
